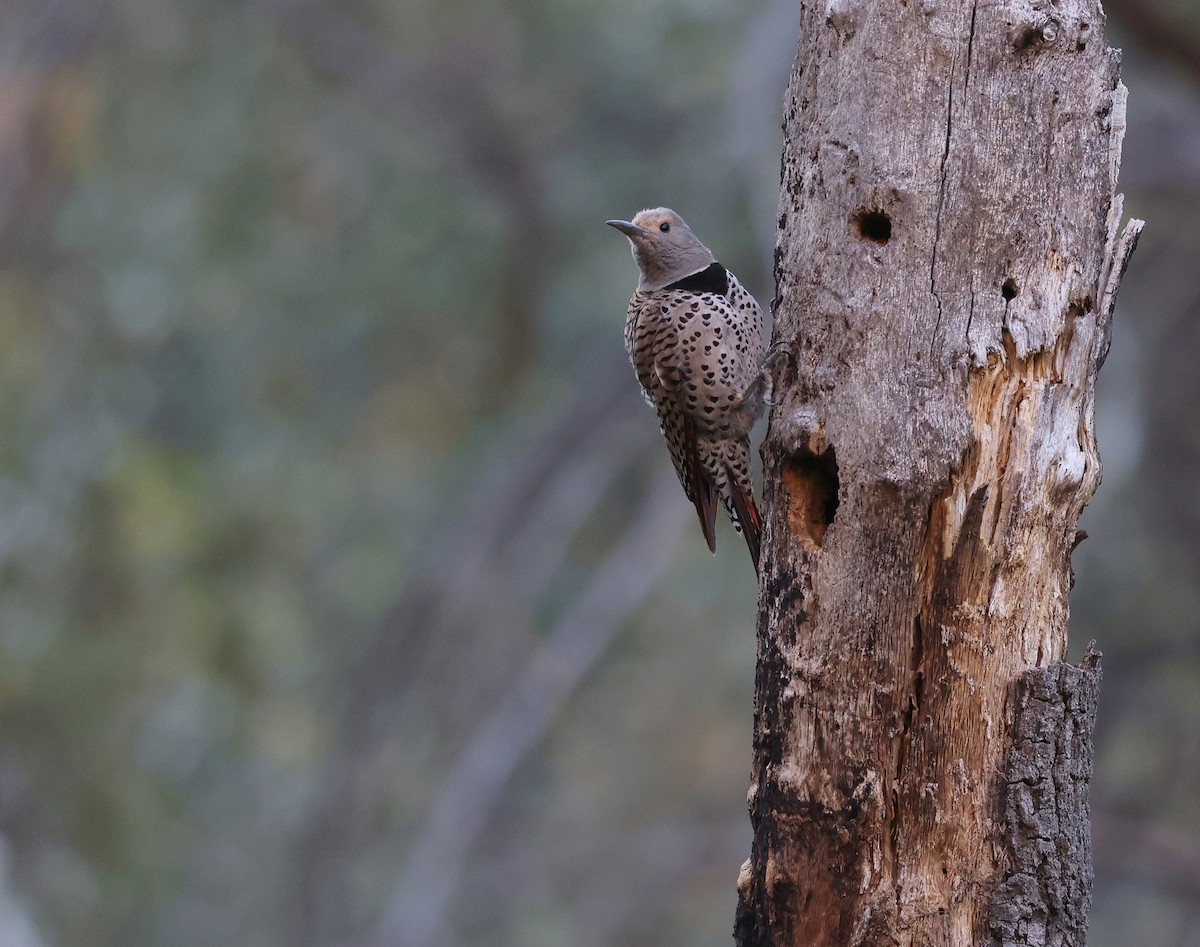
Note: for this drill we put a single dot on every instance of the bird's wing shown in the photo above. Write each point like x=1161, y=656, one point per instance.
x=717, y=360
x=652, y=337
x=699, y=486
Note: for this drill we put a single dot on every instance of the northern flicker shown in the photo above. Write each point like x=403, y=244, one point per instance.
x=694, y=336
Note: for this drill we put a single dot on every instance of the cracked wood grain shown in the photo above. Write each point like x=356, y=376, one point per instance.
x=949, y=252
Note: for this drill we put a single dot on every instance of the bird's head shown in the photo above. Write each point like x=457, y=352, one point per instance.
x=664, y=246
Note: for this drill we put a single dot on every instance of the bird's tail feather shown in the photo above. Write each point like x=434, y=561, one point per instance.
x=741, y=499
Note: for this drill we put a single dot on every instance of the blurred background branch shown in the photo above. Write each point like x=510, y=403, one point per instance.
x=504, y=738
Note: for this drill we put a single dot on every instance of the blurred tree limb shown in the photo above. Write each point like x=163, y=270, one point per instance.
x=484, y=577
x=465, y=800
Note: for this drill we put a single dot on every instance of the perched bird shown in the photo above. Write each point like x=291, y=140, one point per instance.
x=694, y=336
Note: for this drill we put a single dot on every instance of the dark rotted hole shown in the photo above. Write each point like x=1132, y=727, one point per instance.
x=1027, y=37
x=824, y=472
x=873, y=225
x=811, y=482
x=1009, y=289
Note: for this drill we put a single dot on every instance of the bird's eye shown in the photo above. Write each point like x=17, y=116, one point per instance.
x=664, y=227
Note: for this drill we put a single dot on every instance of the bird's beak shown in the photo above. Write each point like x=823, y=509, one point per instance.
x=632, y=231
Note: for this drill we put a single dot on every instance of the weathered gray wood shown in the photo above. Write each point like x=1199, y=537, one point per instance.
x=947, y=260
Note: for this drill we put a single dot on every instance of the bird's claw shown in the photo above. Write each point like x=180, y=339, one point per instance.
x=776, y=355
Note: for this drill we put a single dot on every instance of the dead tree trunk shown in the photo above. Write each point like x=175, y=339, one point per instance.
x=947, y=260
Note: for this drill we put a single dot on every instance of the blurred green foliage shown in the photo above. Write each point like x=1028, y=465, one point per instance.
x=282, y=286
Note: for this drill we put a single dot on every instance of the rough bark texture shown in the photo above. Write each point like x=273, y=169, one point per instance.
x=1044, y=896
x=947, y=261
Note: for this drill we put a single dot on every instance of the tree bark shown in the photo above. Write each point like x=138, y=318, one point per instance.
x=946, y=266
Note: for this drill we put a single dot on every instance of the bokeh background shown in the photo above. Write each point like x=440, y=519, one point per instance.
x=346, y=594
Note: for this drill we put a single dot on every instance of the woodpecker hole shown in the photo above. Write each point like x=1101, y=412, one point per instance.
x=873, y=225
x=1027, y=37
x=811, y=483
x=1009, y=289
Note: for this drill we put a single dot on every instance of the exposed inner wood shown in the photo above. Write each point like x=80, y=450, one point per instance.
x=810, y=483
